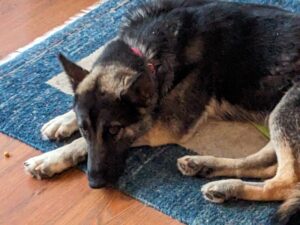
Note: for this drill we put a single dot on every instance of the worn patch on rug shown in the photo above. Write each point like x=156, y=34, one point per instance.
x=33, y=90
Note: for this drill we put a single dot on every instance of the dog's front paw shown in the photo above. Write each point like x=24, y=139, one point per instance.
x=38, y=167
x=220, y=191
x=58, y=160
x=196, y=165
x=60, y=127
x=45, y=165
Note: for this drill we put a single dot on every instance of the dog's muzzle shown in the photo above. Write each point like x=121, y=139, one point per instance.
x=104, y=176
x=96, y=180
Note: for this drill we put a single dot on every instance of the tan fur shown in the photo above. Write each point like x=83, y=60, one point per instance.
x=116, y=78
x=88, y=82
x=263, y=172
x=225, y=110
x=287, y=166
x=159, y=134
x=113, y=79
x=259, y=165
x=272, y=190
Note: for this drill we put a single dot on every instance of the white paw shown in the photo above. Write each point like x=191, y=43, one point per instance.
x=220, y=191
x=45, y=165
x=196, y=165
x=58, y=160
x=60, y=127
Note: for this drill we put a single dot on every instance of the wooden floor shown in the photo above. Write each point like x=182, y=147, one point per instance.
x=65, y=199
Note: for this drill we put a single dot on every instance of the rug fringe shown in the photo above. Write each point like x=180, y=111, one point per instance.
x=38, y=40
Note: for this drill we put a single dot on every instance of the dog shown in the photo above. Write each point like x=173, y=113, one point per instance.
x=173, y=65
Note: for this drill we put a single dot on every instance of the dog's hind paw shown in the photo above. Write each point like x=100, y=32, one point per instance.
x=220, y=191
x=196, y=165
x=60, y=127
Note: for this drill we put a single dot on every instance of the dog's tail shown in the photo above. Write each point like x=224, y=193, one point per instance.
x=289, y=211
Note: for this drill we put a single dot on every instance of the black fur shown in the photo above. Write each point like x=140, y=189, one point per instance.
x=291, y=219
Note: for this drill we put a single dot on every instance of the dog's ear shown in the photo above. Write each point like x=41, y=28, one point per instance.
x=142, y=91
x=75, y=73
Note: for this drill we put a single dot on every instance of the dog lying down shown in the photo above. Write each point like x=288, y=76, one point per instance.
x=173, y=65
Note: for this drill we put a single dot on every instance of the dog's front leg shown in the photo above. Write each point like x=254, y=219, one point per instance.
x=60, y=127
x=50, y=163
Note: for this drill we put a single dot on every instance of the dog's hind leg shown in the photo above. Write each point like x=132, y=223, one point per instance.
x=259, y=165
x=284, y=124
x=276, y=189
x=60, y=127
x=56, y=161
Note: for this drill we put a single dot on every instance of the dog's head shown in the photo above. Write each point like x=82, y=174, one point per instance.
x=113, y=104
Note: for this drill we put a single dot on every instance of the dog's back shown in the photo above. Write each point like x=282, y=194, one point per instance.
x=247, y=55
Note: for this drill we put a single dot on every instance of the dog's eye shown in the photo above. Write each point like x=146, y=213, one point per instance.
x=115, y=129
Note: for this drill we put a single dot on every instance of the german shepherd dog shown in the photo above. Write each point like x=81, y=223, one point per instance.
x=174, y=64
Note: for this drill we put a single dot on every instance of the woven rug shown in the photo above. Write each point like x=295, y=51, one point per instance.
x=32, y=91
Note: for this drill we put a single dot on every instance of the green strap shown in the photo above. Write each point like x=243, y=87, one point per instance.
x=262, y=129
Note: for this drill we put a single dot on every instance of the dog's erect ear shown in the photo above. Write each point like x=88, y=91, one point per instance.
x=75, y=73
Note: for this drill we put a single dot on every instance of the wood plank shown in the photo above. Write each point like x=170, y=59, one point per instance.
x=24, y=20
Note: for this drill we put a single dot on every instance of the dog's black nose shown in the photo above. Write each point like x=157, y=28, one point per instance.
x=96, y=179
x=97, y=183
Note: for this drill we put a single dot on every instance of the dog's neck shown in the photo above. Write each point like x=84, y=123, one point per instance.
x=161, y=68
x=151, y=66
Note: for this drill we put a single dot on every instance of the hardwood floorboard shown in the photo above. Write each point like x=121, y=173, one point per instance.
x=21, y=21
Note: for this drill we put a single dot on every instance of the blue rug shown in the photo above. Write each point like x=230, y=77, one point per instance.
x=27, y=102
